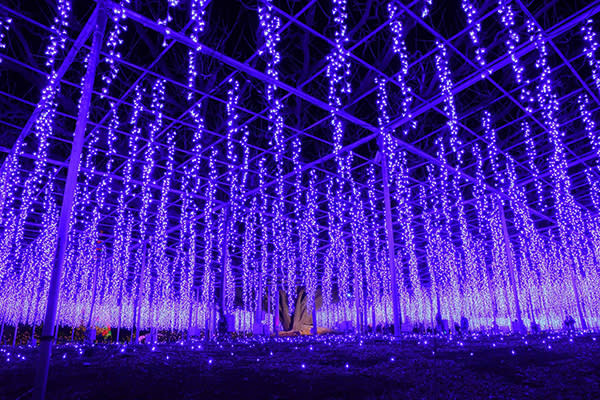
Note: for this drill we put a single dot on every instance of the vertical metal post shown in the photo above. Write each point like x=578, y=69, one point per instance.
x=269, y=295
x=373, y=318
x=511, y=267
x=390, y=236
x=213, y=319
x=57, y=326
x=314, y=329
x=276, y=299
x=133, y=321
x=66, y=208
x=259, y=294
x=359, y=322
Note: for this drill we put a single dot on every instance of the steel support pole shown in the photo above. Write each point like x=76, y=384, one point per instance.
x=259, y=294
x=276, y=298
x=314, y=329
x=390, y=237
x=41, y=379
x=268, y=292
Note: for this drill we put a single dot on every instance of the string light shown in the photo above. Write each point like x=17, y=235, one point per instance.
x=426, y=7
x=494, y=152
x=104, y=187
x=356, y=279
x=448, y=279
x=530, y=242
x=197, y=12
x=591, y=46
x=58, y=38
x=594, y=188
x=327, y=279
x=402, y=197
x=264, y=239
x=588, y=123
x=247, y=256
x=376, y=280
x=235, y=194
x=338, y=73
x=269, y=24
x=568, y=214
x=310, y=266
x=158, y=251
x=143, y=273
x=471, y=13
x=4, y=28
x=399, y=48
x=447, y=87
x=208, y=278
x=113, y=42
x=507, y=17
x=531, y=157
x=432, y=230
x=45, y=121
x=9, y=176
x=158, y=98
x=123, y=226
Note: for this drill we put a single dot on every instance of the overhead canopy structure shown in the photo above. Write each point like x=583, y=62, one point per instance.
x=236, y=149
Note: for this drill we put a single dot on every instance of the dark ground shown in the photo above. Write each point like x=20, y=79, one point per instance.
x=329, y=367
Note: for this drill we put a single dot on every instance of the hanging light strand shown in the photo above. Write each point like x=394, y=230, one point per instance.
x=338, y=73
x=426, y=8
x=399, y=48
x=507, y=17
x=531, y=163
x=269, y=24
x=209, y=206
x=4, y=28
x=471, y=14
x=588, y=123
x=113, y=42
x=568, y=213
x=158, y=99
x=197, y=13
x=312, y=231
x=590, y=49
x=58, y=37
x=447, y=87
